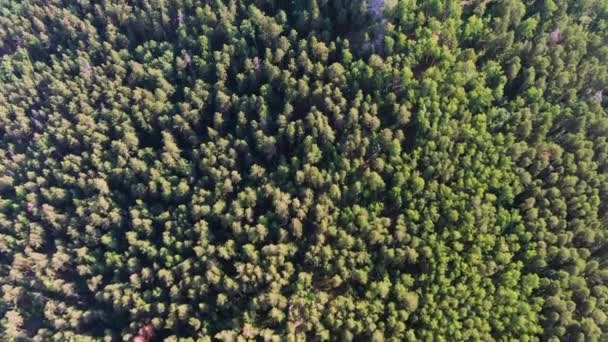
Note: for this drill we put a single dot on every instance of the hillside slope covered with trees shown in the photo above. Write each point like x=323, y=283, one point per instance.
x=285, y=170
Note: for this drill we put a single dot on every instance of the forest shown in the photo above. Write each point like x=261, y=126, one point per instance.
x=294, y=170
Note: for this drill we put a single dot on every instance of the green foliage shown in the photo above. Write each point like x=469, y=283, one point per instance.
x=289, y=170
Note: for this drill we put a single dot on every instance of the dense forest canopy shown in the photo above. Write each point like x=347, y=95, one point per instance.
x=286, y=170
